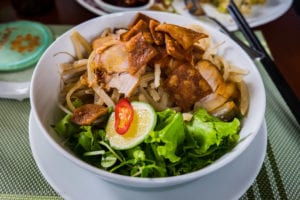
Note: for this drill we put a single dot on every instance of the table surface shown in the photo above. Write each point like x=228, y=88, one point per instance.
x=282, y=35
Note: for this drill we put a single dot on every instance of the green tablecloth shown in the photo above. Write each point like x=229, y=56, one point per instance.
x=279, y=177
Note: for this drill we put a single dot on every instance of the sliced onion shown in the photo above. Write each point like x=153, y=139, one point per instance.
x=244, y=99
x=211, y=102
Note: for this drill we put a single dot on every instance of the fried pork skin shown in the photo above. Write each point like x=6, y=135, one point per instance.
x=184, y=36
x=186, y=77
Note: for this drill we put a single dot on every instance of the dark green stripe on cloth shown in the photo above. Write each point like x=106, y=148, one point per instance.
x=276, y=172
x=250, y=193
x=264, y=184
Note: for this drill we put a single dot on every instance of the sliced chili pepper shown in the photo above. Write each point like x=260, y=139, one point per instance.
x=123, y=116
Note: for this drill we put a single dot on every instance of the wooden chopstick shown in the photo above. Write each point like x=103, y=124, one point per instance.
x=286, y=92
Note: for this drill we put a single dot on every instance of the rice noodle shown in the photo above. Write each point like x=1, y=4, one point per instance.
x=154, y=94
x=141, y=97
x=77, y=47
x=115, y=95
x=104, y=96
x=64, y=109
x=80, y=41
x=157, y=106
x=90, y=71
x=98, y=100
x=145, y=79
x=244, y=103
x=80, y=63
x=73, y=71
x=69, y=94
x=157, y=73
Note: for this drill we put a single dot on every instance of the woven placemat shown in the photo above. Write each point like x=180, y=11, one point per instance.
x=279, y=177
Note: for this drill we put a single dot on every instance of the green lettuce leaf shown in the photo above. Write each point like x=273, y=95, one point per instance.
x=174, y=147
x=207, y=133
x=168, y=134
x=65, y=128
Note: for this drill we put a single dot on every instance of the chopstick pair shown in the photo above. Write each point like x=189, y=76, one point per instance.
x=270, y=66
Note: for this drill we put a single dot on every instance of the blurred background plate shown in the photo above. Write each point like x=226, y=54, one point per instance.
x=261, y=14
x=92, y=6
x=116, y=8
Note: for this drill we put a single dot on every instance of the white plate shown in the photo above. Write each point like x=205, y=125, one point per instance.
x=14, y=90
x=71, y=182
x=92, y=6
x=16, y=84
x=261, y=14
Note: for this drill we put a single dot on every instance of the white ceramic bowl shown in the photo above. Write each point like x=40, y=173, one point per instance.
x=45, y=88
x=112, y=8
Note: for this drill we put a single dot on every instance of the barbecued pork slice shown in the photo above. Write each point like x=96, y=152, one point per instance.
x=125, y=82
x=114, y=59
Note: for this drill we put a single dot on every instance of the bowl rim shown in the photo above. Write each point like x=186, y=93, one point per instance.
x=112, y=8
x=160, y=181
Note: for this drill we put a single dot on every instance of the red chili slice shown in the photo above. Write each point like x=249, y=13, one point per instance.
x=123, y=116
